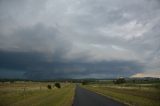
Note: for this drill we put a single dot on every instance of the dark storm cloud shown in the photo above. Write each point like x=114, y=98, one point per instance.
x=36, y=66
x=79, y=38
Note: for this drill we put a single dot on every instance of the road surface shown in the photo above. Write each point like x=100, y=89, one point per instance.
x=85, y=97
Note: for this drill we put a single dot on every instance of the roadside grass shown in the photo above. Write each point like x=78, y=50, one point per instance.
x=130, y=95
x=34, y=95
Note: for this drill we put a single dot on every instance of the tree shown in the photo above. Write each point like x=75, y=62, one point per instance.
x=49, y=86
x=119, y=81
x=84, y=82
x=58, y=85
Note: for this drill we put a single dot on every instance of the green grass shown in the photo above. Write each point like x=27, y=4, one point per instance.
x=130, y=95
x=35, y=95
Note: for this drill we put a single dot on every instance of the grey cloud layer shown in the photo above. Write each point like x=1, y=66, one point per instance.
x=79, y=34
x=36, y=66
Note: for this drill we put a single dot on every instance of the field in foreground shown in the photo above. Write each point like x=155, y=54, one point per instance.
x=132, y=95
x=35, y=94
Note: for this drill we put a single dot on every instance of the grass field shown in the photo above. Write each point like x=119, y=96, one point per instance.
x=35, y=94
x=134, y=95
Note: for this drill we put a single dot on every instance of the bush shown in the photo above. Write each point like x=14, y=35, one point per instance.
x=119, y=81
x=49, y=86
x=84, y=82
x=57, y=85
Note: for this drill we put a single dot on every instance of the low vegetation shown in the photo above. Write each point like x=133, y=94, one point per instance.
x=37, y=94
x=134, y=94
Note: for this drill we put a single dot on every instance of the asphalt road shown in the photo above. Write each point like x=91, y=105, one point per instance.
x=85, y=97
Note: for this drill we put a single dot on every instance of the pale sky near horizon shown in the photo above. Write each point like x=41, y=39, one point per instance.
x=46, y=39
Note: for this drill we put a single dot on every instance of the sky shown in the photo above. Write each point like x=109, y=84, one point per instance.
x=47, y=39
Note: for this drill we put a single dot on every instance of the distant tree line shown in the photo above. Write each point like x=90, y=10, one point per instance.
x=119, y=81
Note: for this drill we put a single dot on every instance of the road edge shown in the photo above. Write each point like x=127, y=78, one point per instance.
x=125, y=103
